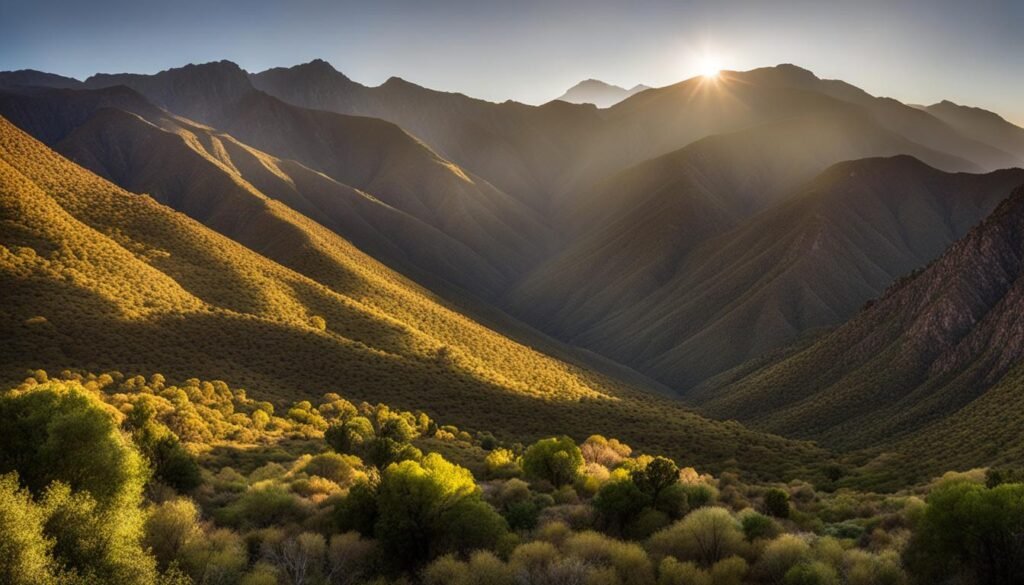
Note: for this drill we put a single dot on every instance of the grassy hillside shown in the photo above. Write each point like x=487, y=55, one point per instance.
x=103, y=278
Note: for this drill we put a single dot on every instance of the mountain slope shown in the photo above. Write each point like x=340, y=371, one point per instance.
x=982, y=125
x=807, y=264
x=523, y=150
x=102, y=278
x=599, y=93
x=539, y=153
x=371, y=155
x=938, y=356
x=918, y=125
x=217, y=180
x=630, y=248
x=33, y=78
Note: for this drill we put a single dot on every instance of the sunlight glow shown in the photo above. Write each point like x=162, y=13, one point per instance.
x=709, y=67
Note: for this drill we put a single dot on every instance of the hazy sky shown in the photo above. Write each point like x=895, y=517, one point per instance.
x=968, y=51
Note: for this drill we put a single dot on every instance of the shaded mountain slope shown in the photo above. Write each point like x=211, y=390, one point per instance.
x=918, y=125
x=102, y=278
x=524, y=150
x=599, y=93
x=33, y=78
x=199, y=92
x=809, y=263
x=380, y=158
x=938, y=356
x=642, y=223
x=538, y=153
x=982, y=125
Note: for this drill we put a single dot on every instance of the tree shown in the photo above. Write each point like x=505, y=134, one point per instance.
x=706, y=536
x=62, y=432
x=88, y=475
x=25, y=551
x=557, y=460
x=776, y=503
x=430, y=508
x=171, y=526
x=358, y=511
x=351, y=436
x=969, y=528
x=657, y=475
x=619, y=502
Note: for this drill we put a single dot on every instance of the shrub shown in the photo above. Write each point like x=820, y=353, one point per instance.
x=779, y=556
x=619, y=502
x=970, y=528
x=502, y=463
x=24, y=548
x=358, y=510
x=263, y=506
x=674, y=572
x=332, y=466
x=657, y=475
x=812, y=573
x=729, y=571
x=706, y=536
x=557, y=460
x=62, y=432
x=776, y=503
x=757, y=526
x=169, y=527
x=432, y=508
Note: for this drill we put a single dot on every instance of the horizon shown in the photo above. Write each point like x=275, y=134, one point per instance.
x=626, y=86
x=535, y=51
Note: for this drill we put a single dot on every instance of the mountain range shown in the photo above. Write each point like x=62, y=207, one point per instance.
x=767, y=246
x=599, y=93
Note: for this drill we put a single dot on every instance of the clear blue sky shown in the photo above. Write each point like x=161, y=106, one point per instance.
x=969, y=51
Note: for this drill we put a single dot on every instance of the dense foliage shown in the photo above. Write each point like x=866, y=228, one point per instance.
x=342, y=492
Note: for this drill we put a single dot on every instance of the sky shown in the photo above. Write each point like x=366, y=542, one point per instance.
x=918, y=51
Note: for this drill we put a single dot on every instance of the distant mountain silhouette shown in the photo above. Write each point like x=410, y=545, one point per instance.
x=33, y=78
x=983, y=126
x=599, y=93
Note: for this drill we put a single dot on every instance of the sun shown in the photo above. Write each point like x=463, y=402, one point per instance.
x=709, y=67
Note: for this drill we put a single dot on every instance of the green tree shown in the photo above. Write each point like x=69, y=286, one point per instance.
x=619, y=502
x=88, y=475
x=706, y=536
x=776, y=503
x=970, y=529
x=431, y=508
x=358, y=511
x=557, y=460
x=25, y=551
x=62, y=432
x=657, y=475
x=352, y=436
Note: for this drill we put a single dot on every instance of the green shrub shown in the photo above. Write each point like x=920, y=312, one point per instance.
x=557, y=460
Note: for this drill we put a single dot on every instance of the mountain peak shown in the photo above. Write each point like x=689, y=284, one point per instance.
x=34, y=78
x=599, y=93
